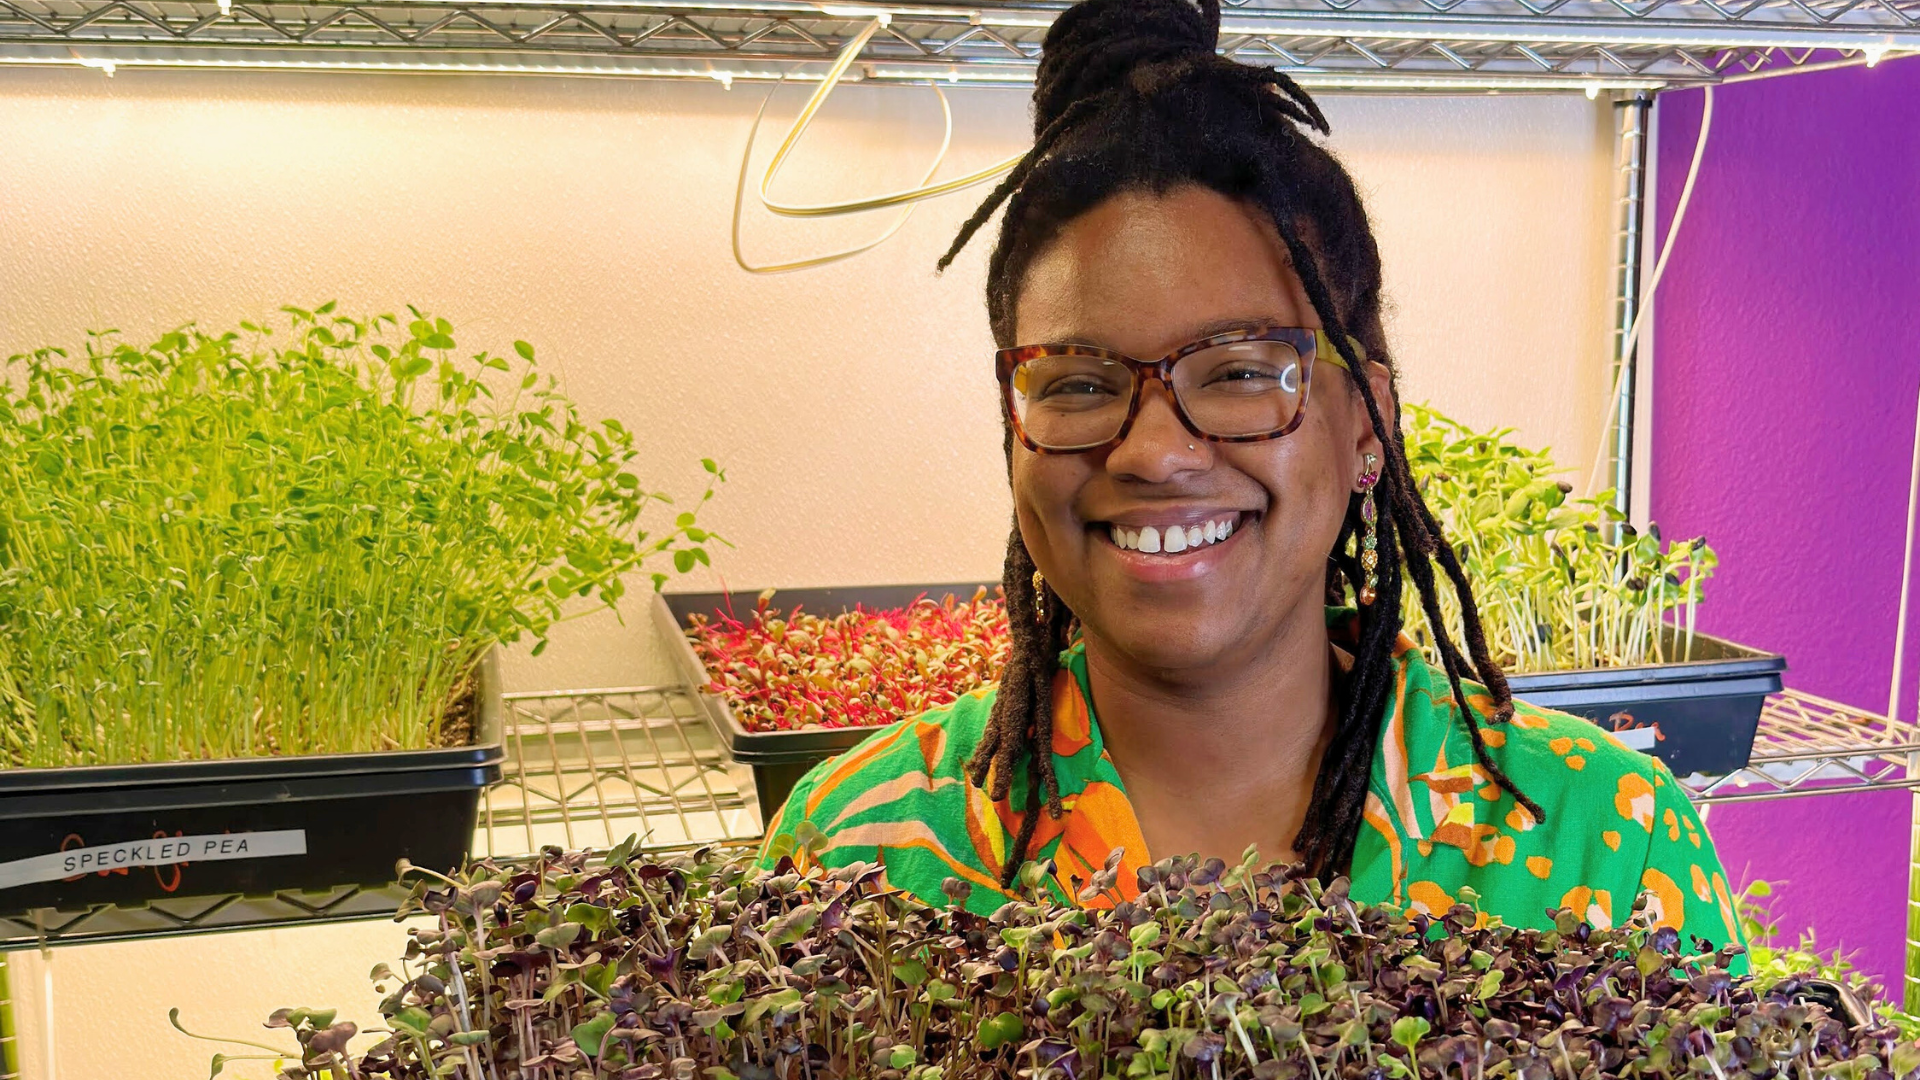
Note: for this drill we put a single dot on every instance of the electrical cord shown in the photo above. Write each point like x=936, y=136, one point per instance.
x=924, y=190
x=740, y=191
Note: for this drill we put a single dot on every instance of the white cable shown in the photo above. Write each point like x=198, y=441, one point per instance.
x=740, y=192
x=1653, y=283
x=925, y=190
x=1906, y=577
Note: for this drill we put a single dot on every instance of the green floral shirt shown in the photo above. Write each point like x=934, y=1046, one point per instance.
x=1617, y=823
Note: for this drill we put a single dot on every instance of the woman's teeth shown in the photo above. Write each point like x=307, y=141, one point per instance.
x=1174, y=539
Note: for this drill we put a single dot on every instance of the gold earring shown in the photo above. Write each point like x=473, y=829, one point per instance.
x=1039, y=598
x=1369, y=537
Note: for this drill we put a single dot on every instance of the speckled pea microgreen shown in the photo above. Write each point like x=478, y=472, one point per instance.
x=293, y=540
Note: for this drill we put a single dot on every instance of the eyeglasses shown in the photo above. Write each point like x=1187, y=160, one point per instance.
x=1243, y=386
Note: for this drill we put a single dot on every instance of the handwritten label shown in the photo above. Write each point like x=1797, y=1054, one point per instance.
x=162, y=851
x=1640, y=738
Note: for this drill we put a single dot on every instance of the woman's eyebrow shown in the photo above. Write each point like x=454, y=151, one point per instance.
x=1228, y=326
x=1198, y=333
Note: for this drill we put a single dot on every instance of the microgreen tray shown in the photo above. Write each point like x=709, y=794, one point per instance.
x=779, y=758
x=1697, y=715
x=126, y=835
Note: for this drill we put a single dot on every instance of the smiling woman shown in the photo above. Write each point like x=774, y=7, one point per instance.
x=1203, y=446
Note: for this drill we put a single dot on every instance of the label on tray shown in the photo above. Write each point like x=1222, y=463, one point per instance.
x=160, y=851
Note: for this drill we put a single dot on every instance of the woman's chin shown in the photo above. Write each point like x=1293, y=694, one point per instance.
x=1170, y=644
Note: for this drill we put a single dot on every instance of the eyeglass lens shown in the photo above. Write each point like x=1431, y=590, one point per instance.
x=1241, y=388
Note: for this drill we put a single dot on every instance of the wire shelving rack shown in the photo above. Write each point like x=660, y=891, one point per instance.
x=1394, y=45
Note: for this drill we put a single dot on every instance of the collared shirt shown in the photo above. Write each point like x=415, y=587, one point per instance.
x=1617, y=824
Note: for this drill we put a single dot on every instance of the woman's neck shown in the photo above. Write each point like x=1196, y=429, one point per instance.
x=1220, y=759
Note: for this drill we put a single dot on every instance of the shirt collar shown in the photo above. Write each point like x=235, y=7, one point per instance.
x=1421, y=791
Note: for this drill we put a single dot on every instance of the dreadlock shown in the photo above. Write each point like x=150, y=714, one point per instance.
x=1133, y=95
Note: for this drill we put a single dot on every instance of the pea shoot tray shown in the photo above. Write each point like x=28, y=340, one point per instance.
x=75, y=838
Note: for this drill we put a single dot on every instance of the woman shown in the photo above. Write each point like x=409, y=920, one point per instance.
x=1181, y=525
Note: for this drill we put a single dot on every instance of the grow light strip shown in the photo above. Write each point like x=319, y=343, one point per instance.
x=110, y=63
x=958, y=74
x=1329, y=80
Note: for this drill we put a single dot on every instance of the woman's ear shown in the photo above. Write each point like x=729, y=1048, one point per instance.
x=1380, y=381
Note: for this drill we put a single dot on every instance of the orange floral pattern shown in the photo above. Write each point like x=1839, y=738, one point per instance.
x=1434, y=821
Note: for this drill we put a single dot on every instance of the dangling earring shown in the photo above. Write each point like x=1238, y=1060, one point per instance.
x=1039, y=598
x=1369, y=538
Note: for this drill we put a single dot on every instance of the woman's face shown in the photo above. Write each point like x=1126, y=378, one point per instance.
x=1144, y=274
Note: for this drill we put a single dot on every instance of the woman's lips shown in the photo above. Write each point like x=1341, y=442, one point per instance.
x=1186, y=565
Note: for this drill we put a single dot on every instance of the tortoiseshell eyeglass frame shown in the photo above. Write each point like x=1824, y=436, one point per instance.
x=1310, y=343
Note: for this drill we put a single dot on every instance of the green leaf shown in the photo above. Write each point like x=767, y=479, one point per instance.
x=413, y=1020
x=1489, y=984
x=998, y=1030
x=589, y=1035
x=911, y=972
x=901, y=1057
x=1409, y=1030
x=683, y=561
x=560, y=936
x=470, y=1038
x=794, y=925
x=525, y=350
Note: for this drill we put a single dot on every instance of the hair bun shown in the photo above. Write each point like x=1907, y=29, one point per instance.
x=1095, y=46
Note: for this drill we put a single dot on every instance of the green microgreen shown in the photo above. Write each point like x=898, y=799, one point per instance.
x=1560, y=584
x=260, y=542
x=700, y=966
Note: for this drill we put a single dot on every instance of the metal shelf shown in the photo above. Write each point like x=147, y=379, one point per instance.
x=1811, y=746
x=587, y=768
x=1381, y=44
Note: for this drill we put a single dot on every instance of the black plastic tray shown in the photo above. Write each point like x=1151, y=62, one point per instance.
x=355, y=815
x=1698, y=715
x=780, y=758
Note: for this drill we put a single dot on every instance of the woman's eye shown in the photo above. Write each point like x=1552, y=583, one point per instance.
x=1075, y=386
x=1247, y=378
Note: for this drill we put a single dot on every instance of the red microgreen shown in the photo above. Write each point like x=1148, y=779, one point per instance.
x=864, y=668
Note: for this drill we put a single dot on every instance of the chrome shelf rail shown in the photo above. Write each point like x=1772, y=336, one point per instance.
x=1809, y=746
x=1358, y=44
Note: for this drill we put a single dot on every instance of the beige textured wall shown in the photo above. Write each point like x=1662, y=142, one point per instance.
x=852, y=405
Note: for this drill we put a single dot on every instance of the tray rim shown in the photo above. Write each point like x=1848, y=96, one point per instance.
x=779, y=747
x=487, y=751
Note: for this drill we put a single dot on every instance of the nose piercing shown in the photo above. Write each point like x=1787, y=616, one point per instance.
x=1189, y=446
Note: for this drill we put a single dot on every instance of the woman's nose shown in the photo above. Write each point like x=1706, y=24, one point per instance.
x=1158, y=446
